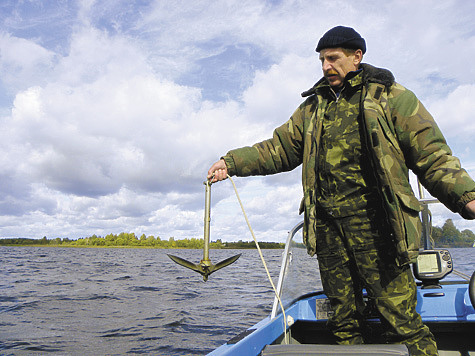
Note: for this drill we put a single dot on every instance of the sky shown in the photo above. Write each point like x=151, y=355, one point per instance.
x=112, y=111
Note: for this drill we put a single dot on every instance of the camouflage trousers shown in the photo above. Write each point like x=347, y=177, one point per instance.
x=353, y=254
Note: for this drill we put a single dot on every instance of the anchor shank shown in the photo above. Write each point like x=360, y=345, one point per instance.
x=205, y=267
x=207, y=219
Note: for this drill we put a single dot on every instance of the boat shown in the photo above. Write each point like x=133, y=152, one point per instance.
x=446, y=305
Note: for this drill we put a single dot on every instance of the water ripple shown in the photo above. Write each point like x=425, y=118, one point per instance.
x=134, y=301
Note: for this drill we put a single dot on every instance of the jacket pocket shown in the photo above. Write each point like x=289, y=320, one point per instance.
x=409, y=201
x=410, y=209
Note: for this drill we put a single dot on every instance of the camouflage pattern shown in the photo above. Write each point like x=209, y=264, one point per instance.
x=345, y=181
x=361, y=215
x=399, y=134
x=353, y=254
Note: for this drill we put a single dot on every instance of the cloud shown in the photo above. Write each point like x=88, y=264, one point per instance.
x=271, y=212
x=106, y=122
x=112, y=111
x=455, y=112
x=275, y=92
x=22, y=63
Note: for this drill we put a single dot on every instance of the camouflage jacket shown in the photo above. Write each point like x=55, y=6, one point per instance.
x=400, y=135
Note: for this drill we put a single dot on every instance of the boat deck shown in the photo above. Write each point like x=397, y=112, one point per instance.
x=447, y=311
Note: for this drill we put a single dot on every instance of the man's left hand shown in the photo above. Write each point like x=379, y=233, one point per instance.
x=469, y=210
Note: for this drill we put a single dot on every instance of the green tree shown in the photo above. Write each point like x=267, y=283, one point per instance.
x=143, y=239
x=151, y=241
x=450, y=234
x=110, y=239
x=468, y=236
x=171, y=243
x=436, y=234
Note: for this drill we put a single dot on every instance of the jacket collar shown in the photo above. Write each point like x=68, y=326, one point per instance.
x=370, y=75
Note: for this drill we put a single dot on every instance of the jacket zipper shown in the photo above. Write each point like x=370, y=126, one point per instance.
x=337, y=97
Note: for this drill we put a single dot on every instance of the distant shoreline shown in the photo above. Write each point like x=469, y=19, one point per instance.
x=179, y=244
x=180, y=248
x=448, y=236
x=145, y=247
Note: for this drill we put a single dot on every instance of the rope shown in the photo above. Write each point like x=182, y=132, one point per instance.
x=262, y=259
x=463, y=275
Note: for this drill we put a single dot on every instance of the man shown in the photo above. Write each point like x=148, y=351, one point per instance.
x=356, y=135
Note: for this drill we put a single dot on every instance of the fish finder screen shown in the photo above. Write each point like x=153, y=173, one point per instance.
x=428, y=263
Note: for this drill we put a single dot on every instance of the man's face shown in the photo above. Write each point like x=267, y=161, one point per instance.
x=336, y=64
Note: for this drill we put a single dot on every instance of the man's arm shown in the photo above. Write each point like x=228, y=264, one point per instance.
x=281, y=153
x=428, y=155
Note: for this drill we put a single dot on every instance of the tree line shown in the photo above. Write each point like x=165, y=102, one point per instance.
x=125, y=239
x=449, y=236
x=446, y=236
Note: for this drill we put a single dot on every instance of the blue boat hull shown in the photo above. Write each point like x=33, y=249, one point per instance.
x=447, y=311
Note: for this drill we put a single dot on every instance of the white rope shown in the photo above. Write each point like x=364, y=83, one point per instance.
x=463, y=275
x=263, y=260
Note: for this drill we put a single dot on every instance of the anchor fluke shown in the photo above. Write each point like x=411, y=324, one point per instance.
x=226, y=262
x=185, y=263
x=205, y=267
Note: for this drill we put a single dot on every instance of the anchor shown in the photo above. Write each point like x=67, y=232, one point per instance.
x=205, y=267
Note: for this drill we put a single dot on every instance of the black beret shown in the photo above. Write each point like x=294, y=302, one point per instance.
x=341, y=36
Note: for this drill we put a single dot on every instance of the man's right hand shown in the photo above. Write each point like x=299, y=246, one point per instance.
x=218, y=171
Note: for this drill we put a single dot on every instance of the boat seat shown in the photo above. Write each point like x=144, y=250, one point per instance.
x=335, y=350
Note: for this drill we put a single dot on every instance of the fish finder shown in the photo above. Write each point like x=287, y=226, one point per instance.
x=432, y=266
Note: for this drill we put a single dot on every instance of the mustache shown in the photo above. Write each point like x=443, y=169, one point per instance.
x=331, y=72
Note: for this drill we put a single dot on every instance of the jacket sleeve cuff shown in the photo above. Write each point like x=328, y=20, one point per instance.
x=464, y=200
x=228, y=159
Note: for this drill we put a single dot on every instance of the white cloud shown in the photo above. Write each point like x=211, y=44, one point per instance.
x=23, y=61
x=112, y=113
x=275, y=92
x=455, y=112
x=271, y=212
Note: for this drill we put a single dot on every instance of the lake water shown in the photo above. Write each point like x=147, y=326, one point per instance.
x=75, y=301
